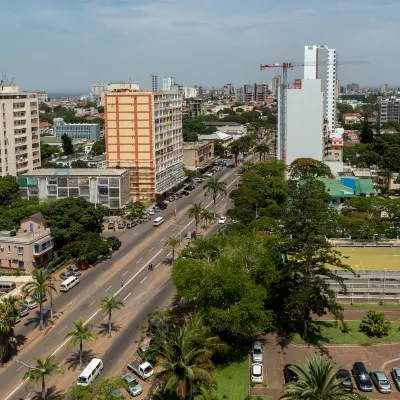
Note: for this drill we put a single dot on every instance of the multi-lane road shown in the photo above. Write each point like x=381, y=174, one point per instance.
x=142, y=292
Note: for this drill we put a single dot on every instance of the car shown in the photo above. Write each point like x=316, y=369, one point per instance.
x=361, y=377
x=157, y=209
x=289, y=374
x=162, y=205
x=145, y=218
x=23, y=311
x=257, y=373
x=396, y=376
x=222, y=220
x=171, y=198
x=257, y=352
x=177, y=197
x=111, y=225
x=131, y=224
x=185, y=192
x=74, y=271
x=30, y=303
x=198, y=180
x=344, y=377
x=187, y=187
x=381, y=381
x=17, y=319
x=65, y=275
x=116, y=243
x=133, y=386
x=208, y=174
x=82, y=264
x=151, y=211
x=121, y=224
x=117, y=394
x=181, y=194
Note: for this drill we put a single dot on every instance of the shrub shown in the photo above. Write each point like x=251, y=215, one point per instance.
x=375, y=324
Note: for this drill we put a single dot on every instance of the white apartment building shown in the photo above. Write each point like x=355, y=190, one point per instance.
x=304, y=122
x=168, y=82
x=189, y=92
x=19, y=131
x=322, y=64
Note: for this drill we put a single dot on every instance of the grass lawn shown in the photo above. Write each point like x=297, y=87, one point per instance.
x=233, y=377
x=369, y=306
x=333, y=335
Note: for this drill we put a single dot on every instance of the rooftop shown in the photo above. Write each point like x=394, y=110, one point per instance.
x=194, y=145
x=24, y=237
x=218, y=123
x=75, y=172
x=58, y=139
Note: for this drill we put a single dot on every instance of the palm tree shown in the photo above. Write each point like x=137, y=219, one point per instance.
x=317, y=381
x=216, y=187
x=207, y=215
x=44, y=367
x=81, y=333
x=235, y=150
x=107, y=306
x=262, y=149
x=258, y=149
x=40, y=286
x=8, y=317
x=246, y=167
x=173, y=242
x=195, y=212
x=387, y=175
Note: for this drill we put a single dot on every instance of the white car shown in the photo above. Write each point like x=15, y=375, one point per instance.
x=208, y=174
x=222, y=220
x=30, y=303
x=171, y=198
x=151, y=211
x=257, y=352
x=396, y=376
x=257, y=373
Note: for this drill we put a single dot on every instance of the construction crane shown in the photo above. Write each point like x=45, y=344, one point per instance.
x=283, y=98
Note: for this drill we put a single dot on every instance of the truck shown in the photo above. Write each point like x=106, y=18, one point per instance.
x=143, y=369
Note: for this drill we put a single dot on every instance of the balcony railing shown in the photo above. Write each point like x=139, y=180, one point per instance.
x=40, y=249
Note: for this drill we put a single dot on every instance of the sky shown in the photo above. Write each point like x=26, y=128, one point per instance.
x=67, y=45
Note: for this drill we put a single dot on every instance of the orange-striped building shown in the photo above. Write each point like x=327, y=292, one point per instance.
x=144, y=134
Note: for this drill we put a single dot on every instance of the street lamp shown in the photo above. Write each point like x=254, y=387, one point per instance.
x=30, y=369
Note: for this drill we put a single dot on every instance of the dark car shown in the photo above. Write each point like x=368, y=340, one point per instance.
x=116, y=244
x=362, y=378
x=185, y=192
x=65, y=275
x=289, y=374
x=345, y=380
x=189, y=187
x=162, y=206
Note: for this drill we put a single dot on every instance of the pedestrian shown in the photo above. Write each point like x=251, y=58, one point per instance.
x=122, y=282
x=150, y=267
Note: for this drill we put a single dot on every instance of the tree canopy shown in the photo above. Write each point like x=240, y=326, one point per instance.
x=67, y=145
x=308, y=168
x=9, y=190
x=98, y=147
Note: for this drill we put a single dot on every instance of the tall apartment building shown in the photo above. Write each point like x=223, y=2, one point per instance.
x=194, y=107
x=189, y=92
x=322, y=64
x=389, y=110
x=19, y=131
x=304, y=123
x=260, y=92
x=276, y=82
x=229, y=90
x=168, y=82
x=199, y=90
x=144, y=135
x=248, y=93
x=384, y=88
x=154, y=82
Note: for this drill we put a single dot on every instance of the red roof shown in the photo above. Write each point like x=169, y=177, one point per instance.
x=45, y=125
x=352, y=115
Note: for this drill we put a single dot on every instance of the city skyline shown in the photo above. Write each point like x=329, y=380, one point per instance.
x=66, y=46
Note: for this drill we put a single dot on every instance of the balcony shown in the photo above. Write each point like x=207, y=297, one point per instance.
x=39, y=249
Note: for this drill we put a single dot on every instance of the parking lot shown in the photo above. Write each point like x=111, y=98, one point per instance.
x=385, y=357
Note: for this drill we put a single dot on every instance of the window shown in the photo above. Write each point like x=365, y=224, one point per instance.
x=20, y=250
x=21, y=264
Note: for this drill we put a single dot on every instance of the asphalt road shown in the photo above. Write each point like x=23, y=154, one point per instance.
x=143, y=291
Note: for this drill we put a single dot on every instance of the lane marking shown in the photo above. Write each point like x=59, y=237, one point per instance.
x=143, y=279
x=94, y=301
x=162, y=239
x=22, y=366
x=63, y=329
x=151, y=249
x=127, y=296
x=157, y=265
x=137, y=262
x=124, y=273
x=108, y=288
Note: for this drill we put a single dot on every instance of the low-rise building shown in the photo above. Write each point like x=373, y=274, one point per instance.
x=45, y=128
x=230, y=128
x=28, y=247
x=106, y=187
x=193, y=107
x=223, y=137
x=76, y=131
x=198, y=155
x=352, y=118
x=56, y=141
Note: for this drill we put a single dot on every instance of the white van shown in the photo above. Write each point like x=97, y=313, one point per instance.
x=69, y=284
x=7, y=286
x=90, y=373
x=158, y=221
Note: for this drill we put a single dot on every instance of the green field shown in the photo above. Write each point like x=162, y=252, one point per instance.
x=330, y=334
x=371, y=258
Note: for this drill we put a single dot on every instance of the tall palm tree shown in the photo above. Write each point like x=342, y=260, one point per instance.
x=215, y=187
x=317, y=381
x=387, y=175
x=173, y=242
x=81, y=333
x=195, y=212
x=235, y=149
x=262, y=148
x=107, y=306
x=44, y=367
x=8, y=317
x=207, y=215
x=258, y=149
x=40, y=286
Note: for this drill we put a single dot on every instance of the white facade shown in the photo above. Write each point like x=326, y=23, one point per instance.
x=304, y=123
x=122, y=85
x=323, y=65
x=189, y=92
x=168, y=81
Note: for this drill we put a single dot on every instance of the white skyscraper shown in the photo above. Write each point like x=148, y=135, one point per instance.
x=168, y=81
x=323, y=65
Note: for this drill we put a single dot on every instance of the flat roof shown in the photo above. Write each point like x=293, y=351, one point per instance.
x=76, y=172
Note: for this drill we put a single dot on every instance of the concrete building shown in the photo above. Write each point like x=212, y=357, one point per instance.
x=168, y=82
x=384, y=88
x=352, y=118
x=144, y=135
x=261, y=92
x=304, y=123
x=276, y=82
x=389, y=110
x=189, y=92
x=42, y=96
x=198, y=155
x=199, y=91
x=19, y=131
x=122, y=85
x=333, y=146
x=194, y=107
x=248, y=93
x=107, y=187
x=28, y=247
x=76, y=131
x=154, y=82
x=45, y=128
x=322, y=64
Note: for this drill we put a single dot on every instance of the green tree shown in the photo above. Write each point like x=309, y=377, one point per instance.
x=366, y=134
x=317, y=381
x=41, y=285
x=235, y=149
x=79, y=164
x=207, y=215
x=100, y=109
x=45, y=107
x=11, y=215
x=262, y=149
x=67, y=145
x=219, y=149
x=195, y=212
x=98, y=147
x=46, y=151
x=99, y=390
x=82, y=333
x=107, y=305
x=8, y=317
x=216, y=188
x=390, y=159
x=9, y=190
x=134, y=211
x=375, y=324
x=308, y=168
x=44, y=367
x=173, y=242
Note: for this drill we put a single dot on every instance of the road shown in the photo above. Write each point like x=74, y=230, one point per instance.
x=143, y=291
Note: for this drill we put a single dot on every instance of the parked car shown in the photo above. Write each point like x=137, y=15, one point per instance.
x=116, y=244
x=381, y=381
x=162, y=205
x=185, y=192
x=141, y=368
x=23, y=311
x=187, y=188
x=82, y=264
x=289, y=374
x=396, y=376
x=257, y=352
x=257, y=373
x=30, y=303
x=157, y=209
x=133, y=386
x=208, y=174
x=177, y=197
x=171, y=198
x=181, y=194
x=121, y=224
x=131, y=224
x=345, y=380
x=151, y=211
x=17, y=319
x=198, y=180
x=222, y=220
x=362, y=378
x=145, y=218
x=65, y=275
x=74, y=271
x=111, y=225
